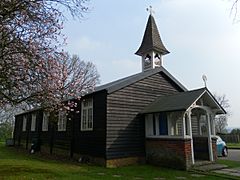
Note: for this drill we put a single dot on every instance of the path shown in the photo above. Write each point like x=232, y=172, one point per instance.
x=233, y=155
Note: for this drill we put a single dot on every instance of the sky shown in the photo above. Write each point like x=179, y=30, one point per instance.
x=200, y=34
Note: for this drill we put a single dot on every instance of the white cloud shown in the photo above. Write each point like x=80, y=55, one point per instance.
x=126, y=64
x=84, y=44
x=119, y=68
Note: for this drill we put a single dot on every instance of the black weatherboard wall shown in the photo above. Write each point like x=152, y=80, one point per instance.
x=17, y=130
x=73, y=140
x=118, y=126
x=125, y=126
x=92, y=142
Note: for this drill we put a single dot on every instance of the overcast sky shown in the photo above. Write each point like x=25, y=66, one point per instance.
x=200, y=34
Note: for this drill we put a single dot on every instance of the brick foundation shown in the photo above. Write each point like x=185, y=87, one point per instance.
x=124, y=161
x=89, y=159
x=214, y=148
x=173, y=153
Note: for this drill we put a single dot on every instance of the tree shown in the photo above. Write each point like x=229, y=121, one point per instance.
x=234, y=9
x=66, y=79
x=6, y=130
x=7, y=118
x=221, y=120
x=235, y=131
x=30, y=32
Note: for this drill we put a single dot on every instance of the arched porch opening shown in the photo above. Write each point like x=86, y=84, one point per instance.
x=202, y=133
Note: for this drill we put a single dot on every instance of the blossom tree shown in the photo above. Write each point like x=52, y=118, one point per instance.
x=30, y=33
x=35, y=71
x=66, y=79
x=60, y=83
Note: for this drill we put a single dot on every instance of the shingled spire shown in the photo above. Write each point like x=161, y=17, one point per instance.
x=152, y=47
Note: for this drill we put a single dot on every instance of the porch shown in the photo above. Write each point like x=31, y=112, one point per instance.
x=180, y=129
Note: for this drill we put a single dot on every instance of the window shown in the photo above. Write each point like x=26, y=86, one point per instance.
x=24, y=124
x=157, y=124
x=87, y=115
x=163, y=124
x=45, y=121
x=33, y=122
x=203, y=125
x=62, y=121
x=175, y=123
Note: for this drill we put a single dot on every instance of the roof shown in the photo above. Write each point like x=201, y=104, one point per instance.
x=29, y=111
x=183, y=101
x=121, y=83
x=151, y=39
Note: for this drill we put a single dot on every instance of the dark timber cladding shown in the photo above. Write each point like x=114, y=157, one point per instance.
x=92, y=142
x=73, y=140
x=125, y=128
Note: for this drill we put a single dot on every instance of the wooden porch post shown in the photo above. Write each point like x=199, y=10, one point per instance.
x=190, y=133
x=184, y=125
x=209, y=137
x=213, y=124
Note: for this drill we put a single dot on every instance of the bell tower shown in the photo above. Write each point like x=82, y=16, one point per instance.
x=152, y=48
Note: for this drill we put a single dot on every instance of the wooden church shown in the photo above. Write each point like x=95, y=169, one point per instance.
x=149, y=117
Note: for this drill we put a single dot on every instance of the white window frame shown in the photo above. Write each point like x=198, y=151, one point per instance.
x=87, y=115
x=62, y=120
x=24, y=123
x=172, y=125
x=33, y=122
x=45, y=121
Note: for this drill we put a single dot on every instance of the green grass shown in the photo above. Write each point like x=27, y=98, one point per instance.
x=233, y=145
x=17, y=164
x=230, y=164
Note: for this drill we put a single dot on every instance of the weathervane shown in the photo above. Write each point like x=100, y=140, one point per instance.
x=204, y=77
x=150, y=10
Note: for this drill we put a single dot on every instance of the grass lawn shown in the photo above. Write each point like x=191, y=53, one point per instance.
x=233, y=145
x=16, y=164
x=230, y=164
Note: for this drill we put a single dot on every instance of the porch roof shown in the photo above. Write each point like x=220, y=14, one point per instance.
x=182, y=101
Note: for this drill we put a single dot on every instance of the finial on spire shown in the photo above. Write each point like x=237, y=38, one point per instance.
x=150, y=10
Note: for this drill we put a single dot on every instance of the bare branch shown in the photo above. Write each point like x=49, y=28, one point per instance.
x=234, y=10
x=221, y=120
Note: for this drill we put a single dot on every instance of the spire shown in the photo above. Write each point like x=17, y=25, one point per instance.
x=151, y=39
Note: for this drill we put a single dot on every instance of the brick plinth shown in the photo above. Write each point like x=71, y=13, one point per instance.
x=214, y=148
x=124, y=161
x=174, y=153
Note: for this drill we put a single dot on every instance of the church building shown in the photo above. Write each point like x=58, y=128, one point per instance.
x=149, y=117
